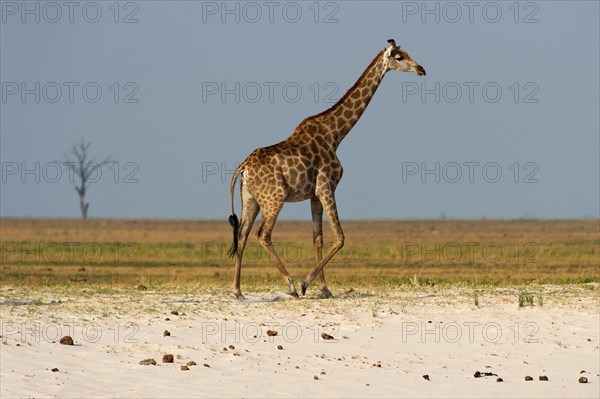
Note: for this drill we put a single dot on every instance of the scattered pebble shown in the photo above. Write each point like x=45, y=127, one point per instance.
x=582, y=371
x=315, y=377
x=167, y=319
x=55, y=370
x=190, y=363
x=148, y=362
x=583, y=380
x=528, y=378
x=206, y=365
x=167, y=333
x=279, y=347
x=174, y=312
x=271, y=333
x=184, y=367
x=231, y=347
x=426, y=377
x=326, y=336
x=66, y=340
x=543, y=378
x=349, y=291
x=167, y=358
x=484, y=374
x=141, y=287
x=499, y=379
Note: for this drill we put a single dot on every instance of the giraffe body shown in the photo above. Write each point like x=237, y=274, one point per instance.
x=305, y=166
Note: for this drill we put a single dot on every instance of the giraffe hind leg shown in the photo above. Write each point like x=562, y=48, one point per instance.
x=250, y=210
x=269, y=217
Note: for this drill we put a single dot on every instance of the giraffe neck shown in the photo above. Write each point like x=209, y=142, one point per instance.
x=335, y=123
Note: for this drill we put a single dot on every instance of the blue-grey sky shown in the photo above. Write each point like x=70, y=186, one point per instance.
x=504, y=125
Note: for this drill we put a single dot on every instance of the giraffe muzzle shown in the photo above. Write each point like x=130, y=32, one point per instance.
x=420, y=71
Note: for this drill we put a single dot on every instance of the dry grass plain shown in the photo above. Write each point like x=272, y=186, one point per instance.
x=380, y=253
x=414, y=299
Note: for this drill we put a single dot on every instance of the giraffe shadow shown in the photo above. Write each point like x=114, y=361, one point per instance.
x=276, y=297
x=283, y=296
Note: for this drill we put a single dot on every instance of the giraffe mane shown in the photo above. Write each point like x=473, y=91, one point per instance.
x=347, y=94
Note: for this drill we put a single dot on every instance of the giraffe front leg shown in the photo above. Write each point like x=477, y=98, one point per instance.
x=317, y=218
x=328, y=201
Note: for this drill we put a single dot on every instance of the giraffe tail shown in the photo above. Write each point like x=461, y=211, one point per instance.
x=233, y=219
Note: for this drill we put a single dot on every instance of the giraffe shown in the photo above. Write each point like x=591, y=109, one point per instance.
x=305, y=166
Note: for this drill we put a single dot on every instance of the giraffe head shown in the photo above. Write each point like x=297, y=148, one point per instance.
x=399, y=60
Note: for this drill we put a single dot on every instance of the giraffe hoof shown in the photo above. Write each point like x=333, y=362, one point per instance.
x=293, y=293
x=302, y=287
x=239, y=296
x=327, y=293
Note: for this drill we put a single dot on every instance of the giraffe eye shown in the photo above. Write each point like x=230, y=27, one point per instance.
x=399, y=58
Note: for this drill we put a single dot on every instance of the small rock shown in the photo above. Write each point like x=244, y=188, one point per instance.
x=315, y=377
x=66, y=340
x=167, y=333
x=190, y=363
x=376, y=364
x=581, y=372
x=148, y=362
x=167, y=358
x=543, y=378
x=426, y=377
x=184, y=367
x=528, y=378
x=349, y=291
x=231, y=347
x=141, y=287
x=323, y=373
x=499, y=379
x=174, y=312
x=279, y=347
x=271, y=333
x=55, y=370
x=484, y=374
x=81, y=269
x=326, y=336
x=582, y=380
x=206, y=365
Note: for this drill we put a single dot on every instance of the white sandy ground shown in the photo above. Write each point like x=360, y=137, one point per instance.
x=409, y=332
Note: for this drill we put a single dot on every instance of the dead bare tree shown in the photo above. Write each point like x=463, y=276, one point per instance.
x=83, y=169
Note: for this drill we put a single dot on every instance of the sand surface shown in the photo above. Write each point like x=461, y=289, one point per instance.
x=382, y=345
